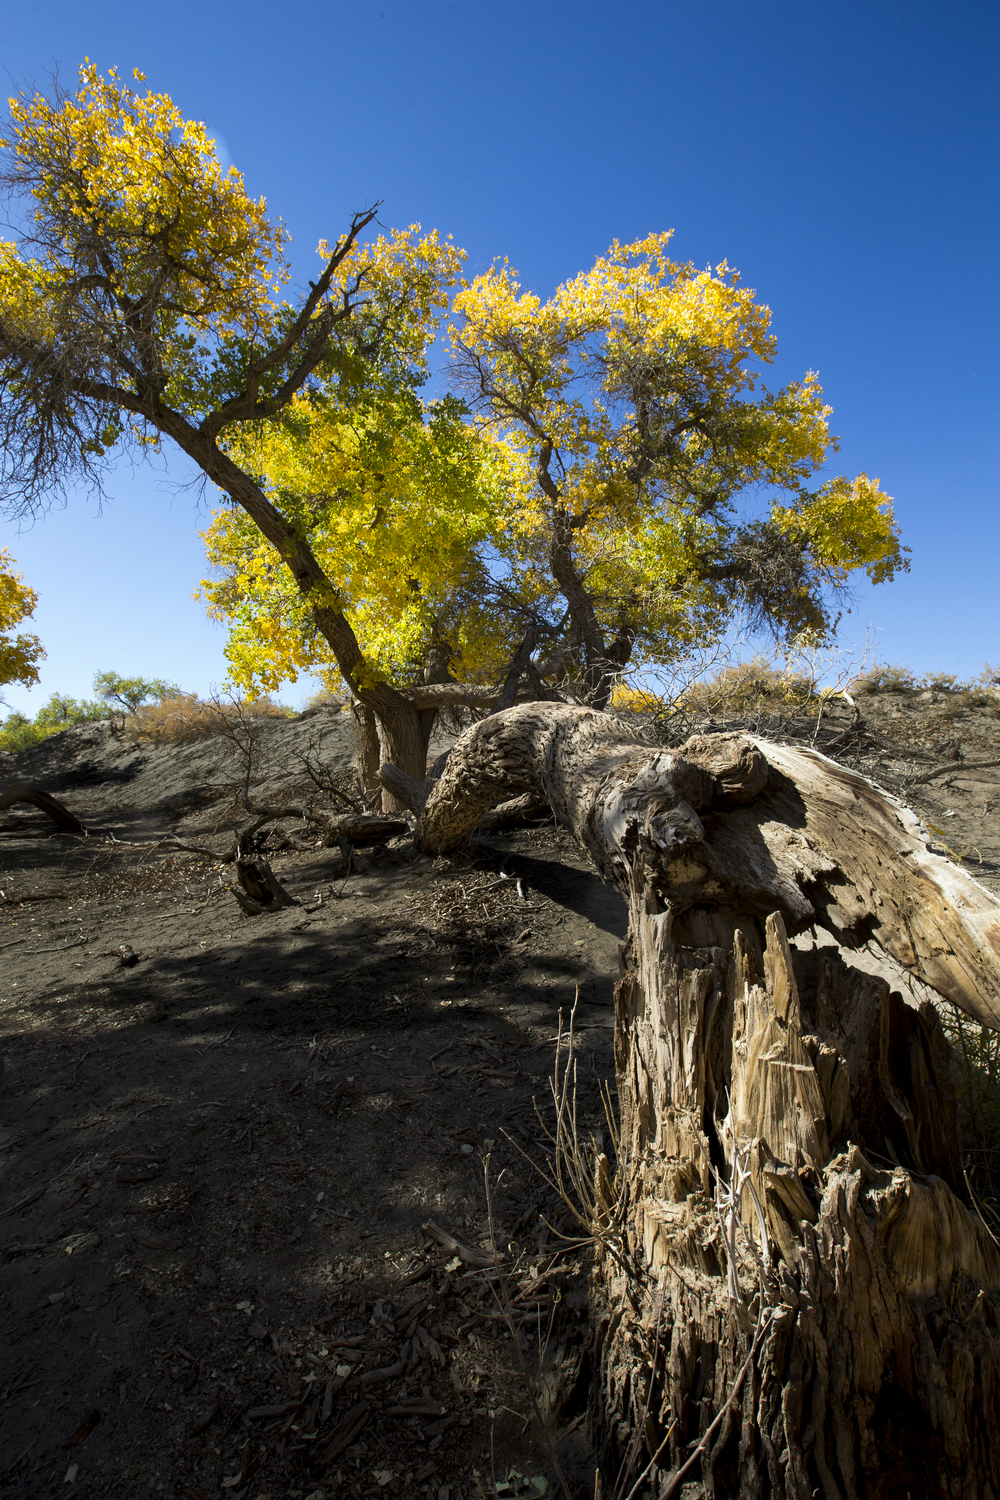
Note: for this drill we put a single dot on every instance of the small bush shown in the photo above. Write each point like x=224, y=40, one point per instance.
x=884, y=679
x=19, y=732
x=62, y=712
x=188, y=717
x=750, y=687
x=633, y=700
x=325, y=697
x=126, y=694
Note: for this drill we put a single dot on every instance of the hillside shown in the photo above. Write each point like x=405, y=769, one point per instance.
x=218, y=1159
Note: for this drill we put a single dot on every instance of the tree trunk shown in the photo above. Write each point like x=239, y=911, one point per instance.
x=791, y=1295
x=399, y=720
x=62, y=817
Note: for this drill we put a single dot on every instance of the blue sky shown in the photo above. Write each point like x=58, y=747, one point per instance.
x=843, y=157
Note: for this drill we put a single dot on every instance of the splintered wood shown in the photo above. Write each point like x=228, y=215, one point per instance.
x=793, y=1294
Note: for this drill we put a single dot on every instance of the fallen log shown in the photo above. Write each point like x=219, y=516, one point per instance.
x=16, y=792
x=792, y=1293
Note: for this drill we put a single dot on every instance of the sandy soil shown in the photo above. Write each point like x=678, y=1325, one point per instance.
x=217, y=1163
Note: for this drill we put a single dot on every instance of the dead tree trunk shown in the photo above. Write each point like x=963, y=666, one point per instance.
x=792, y=1295
x=62, y=817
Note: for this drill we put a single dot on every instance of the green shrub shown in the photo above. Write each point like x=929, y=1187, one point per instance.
x=127, y=694
x=18, y=733
x=62, y=712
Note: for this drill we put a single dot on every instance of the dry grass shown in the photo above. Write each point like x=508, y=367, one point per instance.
x=976, y=1050
x=978, y=692
x=882, y=678
x=187, y=717
x=747, y=689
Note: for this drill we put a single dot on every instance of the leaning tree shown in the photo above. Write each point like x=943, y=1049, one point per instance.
x=142, y=305
x=793, y=1294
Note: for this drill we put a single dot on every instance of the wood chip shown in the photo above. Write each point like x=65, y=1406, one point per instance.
x=346, y=1430
x=287, y=1408
x=138, y=1174
x=206, y=1420
x=74, y=1243
x=464, y=1252
x=153, y=1241
x=84, y=1430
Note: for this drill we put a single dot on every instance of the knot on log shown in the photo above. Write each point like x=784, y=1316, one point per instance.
x=738, y=768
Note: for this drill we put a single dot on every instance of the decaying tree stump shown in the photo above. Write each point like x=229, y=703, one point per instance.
x=262, y=891
x=792, y=1293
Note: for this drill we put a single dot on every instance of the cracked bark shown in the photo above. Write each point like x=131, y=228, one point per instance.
x=788, y=1270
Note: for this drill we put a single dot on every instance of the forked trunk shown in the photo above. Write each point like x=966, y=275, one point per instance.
x=792, y=1295
x=405, y=744
x=400, y=737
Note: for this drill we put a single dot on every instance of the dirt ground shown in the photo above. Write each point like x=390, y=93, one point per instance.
x=218, y=1163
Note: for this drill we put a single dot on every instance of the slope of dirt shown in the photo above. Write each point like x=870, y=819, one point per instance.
x=217, y=1163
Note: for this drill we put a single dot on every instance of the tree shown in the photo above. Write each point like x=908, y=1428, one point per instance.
x=141, y=304
x=398, y=500
x=19, y=654
x=793, y=1294
x=642, y=377
x=633, y=397
x=129, y=693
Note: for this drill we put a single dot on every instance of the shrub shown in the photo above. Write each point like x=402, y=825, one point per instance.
x=884, y=679
x=18, y=733
x=129, y=693
x=326, y=698
x=633, y=700
x=188, y=717
x=746, y=688
x=62, y=712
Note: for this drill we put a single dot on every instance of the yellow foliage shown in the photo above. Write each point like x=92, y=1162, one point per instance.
x=635, y=395
x=849, y=524
x=19, y=654
x=128, y=170
x=395, y=508
x=634, y=700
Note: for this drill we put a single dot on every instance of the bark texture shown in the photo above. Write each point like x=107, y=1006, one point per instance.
x=792, y=1295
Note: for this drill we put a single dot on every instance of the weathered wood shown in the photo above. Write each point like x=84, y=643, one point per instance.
x=792, y=1294
x=737, y=822
x=365, y=828
x=414, y=794
x=16, y=792
x=262, y=890
x=450, y=694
